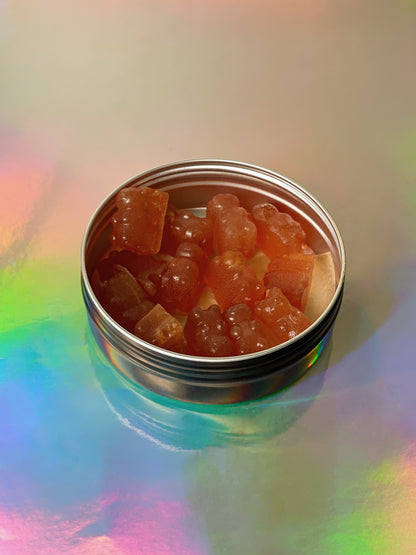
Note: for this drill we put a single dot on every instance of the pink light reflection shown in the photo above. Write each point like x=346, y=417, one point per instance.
x=25, y=180
x=134, y=526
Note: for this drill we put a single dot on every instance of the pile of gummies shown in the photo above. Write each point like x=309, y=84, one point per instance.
x=162, y=261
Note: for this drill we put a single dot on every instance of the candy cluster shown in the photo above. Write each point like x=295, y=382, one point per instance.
x=163, y=265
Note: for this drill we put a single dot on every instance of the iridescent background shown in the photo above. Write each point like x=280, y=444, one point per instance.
x=95, y=92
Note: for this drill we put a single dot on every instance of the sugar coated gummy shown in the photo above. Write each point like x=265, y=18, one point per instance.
x=139, y=219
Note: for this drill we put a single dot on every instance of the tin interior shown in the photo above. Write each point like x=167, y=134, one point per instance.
x=190, y=186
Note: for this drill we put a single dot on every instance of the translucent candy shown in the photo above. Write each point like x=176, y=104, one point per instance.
x=186, y=227
x=276, y=312
x=162, y=329
x=122, y=297
x=160, y=255
x=232, y=281
x=263, y=212
x=293, y=275
x=248, y=333
x=170, y=216
x=278, y=233
x=220, y=203
x=180, y=285
x=234, y=231
x=139, y=219
x=206, y=333
x=147, y=269
x=194, y=252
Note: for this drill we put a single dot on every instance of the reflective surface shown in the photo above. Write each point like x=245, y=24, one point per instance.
x=94, y=93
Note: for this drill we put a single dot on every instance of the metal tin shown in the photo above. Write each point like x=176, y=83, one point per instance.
x=191, y=185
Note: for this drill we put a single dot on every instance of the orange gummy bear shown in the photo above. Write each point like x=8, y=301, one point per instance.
x=139, y=219
x=122, y=297
x=232, y=281
x=248, y=333
x=277, y=232
x=160, y=328
x=180, y=285
x=285, y=320
x=185, y=226
x=293, y=275
x=206, y=333
x=219, y=203
x=234, y=231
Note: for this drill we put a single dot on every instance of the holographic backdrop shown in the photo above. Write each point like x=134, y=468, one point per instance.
x=93, y=93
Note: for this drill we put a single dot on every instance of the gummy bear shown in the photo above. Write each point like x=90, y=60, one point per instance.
x=194, y=252
x=147, y=269
x=277, y=232
x=248, y=333
x=293, y=275
x=285, y=320
x=139, y=219
x=220, y=203
x=232, y=281
x=162, y=329
x=234, y=231
x=180, y=285
x=263, y=212
x=186, y=227
x=122, y=297
x=206, y=333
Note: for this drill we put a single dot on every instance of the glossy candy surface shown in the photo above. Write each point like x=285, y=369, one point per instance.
x=186, y=227
x=147, y=269
x=180, y=285
x=219, y=203
x=285, y=320
x=174, y=276
x=278, y=233
x=162, y=329
x=193, y=252
x=232, y=280
x=206, y=333
x=139, y=219
x=234, y=231
x=293, y=275
x=123, y=297
x=248, y=333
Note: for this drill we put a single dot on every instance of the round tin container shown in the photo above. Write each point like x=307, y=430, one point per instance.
x=218, y=380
